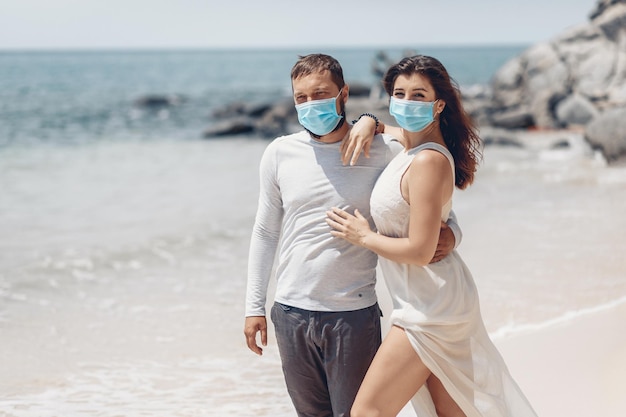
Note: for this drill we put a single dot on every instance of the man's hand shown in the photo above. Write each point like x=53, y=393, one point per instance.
x=250, y=329
x=445, y=244
x=359, y=140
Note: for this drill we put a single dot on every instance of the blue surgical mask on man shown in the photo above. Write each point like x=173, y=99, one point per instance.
x=319, y=116
x=412, y=115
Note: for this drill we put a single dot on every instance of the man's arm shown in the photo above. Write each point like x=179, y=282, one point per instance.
x=450, y=236
x=453, y=224
x=263, y=246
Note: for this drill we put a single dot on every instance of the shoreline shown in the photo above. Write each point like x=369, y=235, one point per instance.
x=570, y=317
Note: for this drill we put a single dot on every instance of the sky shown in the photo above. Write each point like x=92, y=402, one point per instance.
x=105, y=24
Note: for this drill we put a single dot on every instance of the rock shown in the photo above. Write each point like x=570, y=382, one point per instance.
x=257, y=109
x=507, y=84
x=230, y=127
x=607, y=132
x=268, y=119
x=562, y=144
x=574, y=110
x=586, y=63
x=158, y=101
x=230, y=110
x=277, y=119
x=241, y=108
x=500, y=137
x=359, y=90
x=511, y=119
x=476, y=92
x=544, y=70
x=610, y=16
x=601, y=7
x=590, y=58
x=283, y=109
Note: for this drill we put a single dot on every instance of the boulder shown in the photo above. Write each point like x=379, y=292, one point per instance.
x=607, y=132
x=230, y=127
x=507, y=84
x=505, y=138
x=610, y=17
x=575, y=110
x=241, y=108
x=268, y=119
x=586, y=63
x=277, y=120
x=511, y=118
x=158, y=101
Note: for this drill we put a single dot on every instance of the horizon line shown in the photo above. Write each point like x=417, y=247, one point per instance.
x=254, y=48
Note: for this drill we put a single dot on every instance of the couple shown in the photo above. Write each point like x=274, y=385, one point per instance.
x=314, y=213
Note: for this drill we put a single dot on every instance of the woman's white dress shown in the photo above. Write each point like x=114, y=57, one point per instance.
x=438, y=307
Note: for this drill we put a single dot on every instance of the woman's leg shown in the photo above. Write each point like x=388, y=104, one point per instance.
x=444, y=404
x=396, y=374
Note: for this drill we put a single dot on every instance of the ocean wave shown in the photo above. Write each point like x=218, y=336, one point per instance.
x=192, y=387
x=513, y=329
x=213, y=249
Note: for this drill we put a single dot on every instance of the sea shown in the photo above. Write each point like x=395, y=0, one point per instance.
x=124, y=232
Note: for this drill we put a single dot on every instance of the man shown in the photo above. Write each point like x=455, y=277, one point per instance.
x=325, y=315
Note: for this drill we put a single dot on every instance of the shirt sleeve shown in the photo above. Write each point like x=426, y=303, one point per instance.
x=456, y=229
x=265, y=235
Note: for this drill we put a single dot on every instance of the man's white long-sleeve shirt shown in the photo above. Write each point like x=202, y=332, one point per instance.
x=300, y=179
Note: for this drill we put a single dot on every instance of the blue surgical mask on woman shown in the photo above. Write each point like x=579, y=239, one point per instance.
x=319, y=116
x=412, y=115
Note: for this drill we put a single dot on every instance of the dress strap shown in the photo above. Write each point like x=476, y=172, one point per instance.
x=435, y=147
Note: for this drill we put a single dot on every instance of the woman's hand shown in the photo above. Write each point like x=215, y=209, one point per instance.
x=359, y=139
x=354, y=229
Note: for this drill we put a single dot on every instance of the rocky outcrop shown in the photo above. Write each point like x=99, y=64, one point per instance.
x=567, y=81
x=576, y=80
x=269, y=119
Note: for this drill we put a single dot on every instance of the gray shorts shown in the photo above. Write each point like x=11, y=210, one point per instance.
x=325, y=356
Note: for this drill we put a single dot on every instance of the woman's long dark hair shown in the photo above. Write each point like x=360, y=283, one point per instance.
x=458, y=129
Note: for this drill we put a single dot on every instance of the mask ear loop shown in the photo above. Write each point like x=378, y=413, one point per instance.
x=343, y=111
x=438, y=116
x=340, y=93
x=437, y=113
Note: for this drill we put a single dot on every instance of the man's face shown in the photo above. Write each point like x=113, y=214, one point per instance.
x=318, y=86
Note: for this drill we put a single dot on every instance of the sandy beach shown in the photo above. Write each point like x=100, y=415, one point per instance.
x=575, y=366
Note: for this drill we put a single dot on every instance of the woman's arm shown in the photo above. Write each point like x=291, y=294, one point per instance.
x=429, y=184
x=360, y=138
x=394, y=131
x=426, y=181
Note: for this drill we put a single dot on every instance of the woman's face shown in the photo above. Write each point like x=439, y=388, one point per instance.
x=413, y=87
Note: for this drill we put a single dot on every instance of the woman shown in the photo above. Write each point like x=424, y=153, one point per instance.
x=437, y=352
